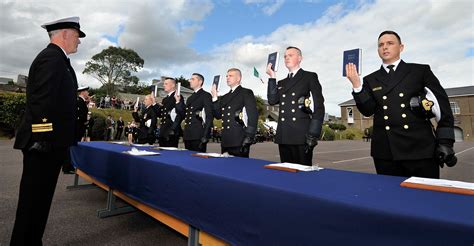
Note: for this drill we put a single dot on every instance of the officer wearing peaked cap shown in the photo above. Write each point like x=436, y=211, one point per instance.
x=403, y=143
x=238, y=111
x=47, y=128
x=301, y=109
x=82, y=110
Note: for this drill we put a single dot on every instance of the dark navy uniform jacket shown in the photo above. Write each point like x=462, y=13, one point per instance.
x=51, y=104
x=229, y=108
x=196, y=123
x=166, y=123
x=293, y=122
x=399, y=133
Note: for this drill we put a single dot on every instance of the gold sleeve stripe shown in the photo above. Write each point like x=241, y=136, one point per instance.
x=47, y=127
x=42, y=125
x=42, y=130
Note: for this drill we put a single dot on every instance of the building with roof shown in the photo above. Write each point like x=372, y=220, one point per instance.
x=461, y=100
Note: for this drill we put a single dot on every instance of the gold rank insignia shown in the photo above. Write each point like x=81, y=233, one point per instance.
x=427, y=104
x=45, y=120
x=241, y=115
x=307, y=102
x=377, y=88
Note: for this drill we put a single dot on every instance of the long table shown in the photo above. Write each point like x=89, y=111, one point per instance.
x=237, y=200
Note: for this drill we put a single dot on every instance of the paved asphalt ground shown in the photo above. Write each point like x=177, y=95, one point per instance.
x=73, y=220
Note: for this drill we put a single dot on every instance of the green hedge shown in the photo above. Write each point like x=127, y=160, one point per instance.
x=12, y=107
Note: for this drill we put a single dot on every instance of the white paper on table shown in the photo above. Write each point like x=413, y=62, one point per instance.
x=169, y=148
x=441, y=182
x=297, y=166
x=215, y=154
x=173, y=114
x=120, y=142
x=135, y=151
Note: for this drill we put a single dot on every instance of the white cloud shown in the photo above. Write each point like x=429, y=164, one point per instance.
x=269, y=7
x=160, y=31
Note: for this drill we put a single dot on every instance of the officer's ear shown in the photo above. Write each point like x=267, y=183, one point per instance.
x=402, y=46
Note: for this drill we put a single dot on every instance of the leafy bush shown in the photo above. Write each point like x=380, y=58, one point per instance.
x=327, y=134
x=12, y=107
x=336, y=126
x=352, y=134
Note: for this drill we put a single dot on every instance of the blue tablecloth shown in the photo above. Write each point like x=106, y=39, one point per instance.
x=238, y=200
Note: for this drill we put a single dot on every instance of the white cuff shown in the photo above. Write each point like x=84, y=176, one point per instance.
x=358, y=89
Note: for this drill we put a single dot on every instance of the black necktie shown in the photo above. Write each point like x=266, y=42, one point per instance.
x=390, y=70
x=290, y=76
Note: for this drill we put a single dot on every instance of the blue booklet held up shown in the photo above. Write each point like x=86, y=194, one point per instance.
x=273, y=59
x=216, y=81
x=352, y=56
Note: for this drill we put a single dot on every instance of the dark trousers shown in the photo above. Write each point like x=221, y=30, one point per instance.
x=194, y=145
x=118, y=135
x=235, y=151
x=295, y=154
x=38, y=182
x=172, y=141
x=67, y=164
x=425, y=168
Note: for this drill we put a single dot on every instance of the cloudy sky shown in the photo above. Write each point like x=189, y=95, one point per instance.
x=178, y=37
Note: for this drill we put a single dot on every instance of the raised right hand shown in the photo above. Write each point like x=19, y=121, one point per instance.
x=270, y=72
x=214, y=91
x=352, y=75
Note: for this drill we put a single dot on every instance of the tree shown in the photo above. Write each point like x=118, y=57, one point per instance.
x=114, y=66
x=260, y=106
x=184, y=81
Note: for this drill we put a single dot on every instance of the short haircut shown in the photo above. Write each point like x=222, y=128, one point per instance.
x=296, y=48
x=235, y=70
x=53, y=32
x=199, y=76
x=391, y=32
x=169, y=78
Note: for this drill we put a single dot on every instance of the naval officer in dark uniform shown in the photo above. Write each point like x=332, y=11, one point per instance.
x=170, y=118
x=82, y=110
x=47, y=129
x=404, y=142
x=147, y=120
x=238, y=111
x=198, y=115
x=81, y=123
x=301, y=109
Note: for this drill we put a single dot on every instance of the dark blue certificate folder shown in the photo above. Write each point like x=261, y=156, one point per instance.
x=352, y=56
x=273, y=59
x=217, y=78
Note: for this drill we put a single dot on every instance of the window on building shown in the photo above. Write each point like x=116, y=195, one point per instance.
x=455, y=107
x=350, y=115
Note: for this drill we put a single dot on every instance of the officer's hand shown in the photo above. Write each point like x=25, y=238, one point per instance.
x=204, y=141
x=41, y=147
x=352, y=75
x=310, y=142
x=445, y=154
x=246, y=144
x=214, y=91
x=270, y=72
